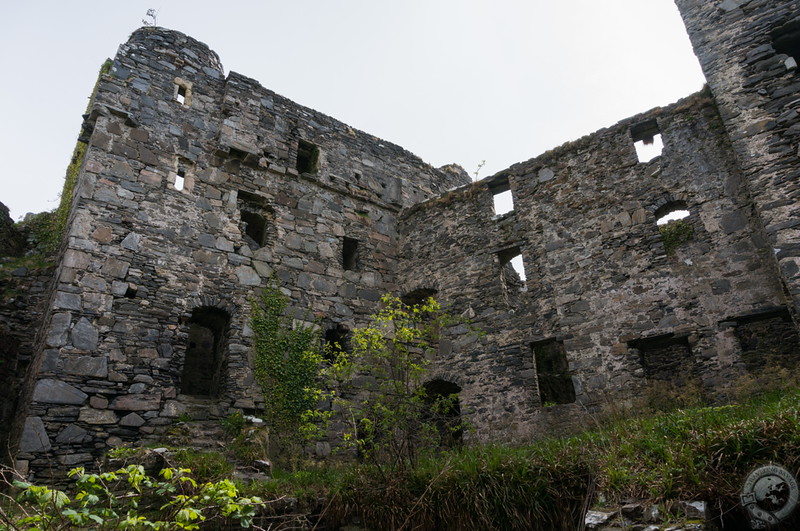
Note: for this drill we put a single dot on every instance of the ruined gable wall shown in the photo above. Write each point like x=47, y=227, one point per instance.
x=143, y=257
x=598, y=277
x=755, y=84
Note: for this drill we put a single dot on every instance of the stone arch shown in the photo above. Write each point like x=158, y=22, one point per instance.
x=205, y=358
x=669, y=208
x=666, y=199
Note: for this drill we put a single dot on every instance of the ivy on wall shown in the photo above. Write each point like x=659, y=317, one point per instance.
x=287, y=362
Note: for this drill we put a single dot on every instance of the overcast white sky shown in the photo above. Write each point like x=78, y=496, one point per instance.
x=450, y=80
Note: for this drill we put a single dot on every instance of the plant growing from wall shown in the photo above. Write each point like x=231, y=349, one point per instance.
x=392, y=418
x=287, y=363
x=675, y=233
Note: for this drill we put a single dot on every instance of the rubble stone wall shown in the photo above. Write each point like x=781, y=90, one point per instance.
x=197, y=188
x=598, y=277
x=176, y=153
x=749, y=51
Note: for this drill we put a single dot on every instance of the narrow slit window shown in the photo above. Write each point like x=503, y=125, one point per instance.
x=180, y=179
x=307, y=157
x=647, y=140
x=349, y=254
x=502, y=199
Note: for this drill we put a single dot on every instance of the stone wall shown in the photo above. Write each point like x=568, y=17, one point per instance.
x=184, y=170
x=749, y=51
x=196, y=188
x=599, y=280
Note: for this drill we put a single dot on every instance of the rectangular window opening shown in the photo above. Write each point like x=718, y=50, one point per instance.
x=502, y=199
x=769, y=340
x=666, y=358
x=512, y=269
x=552, y=372
x=180, y=179
x=257, y=220
x=647, y=140
x=180, y=97
x=349, y=254
x=307, y=157
x=786, y=40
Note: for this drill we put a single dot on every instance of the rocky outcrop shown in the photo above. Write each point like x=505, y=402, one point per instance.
x=12, y=241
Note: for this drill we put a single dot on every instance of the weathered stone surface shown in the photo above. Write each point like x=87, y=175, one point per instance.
x=131, y=419
x=58, y=392
x=67, y=301
x=12, y=242
x=57, y=334
x=34, y=436
x=159, y=281
x=139, y=402
x=97, y=416
x=172, y=409
x=73, y=434
x=89, y=366
x=131, y=242
x=84, y=335
x=247, y=276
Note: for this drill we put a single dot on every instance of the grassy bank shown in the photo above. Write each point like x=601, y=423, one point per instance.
x=690, y=454
x=695, y=454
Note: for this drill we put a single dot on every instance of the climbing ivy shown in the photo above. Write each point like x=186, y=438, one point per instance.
x=287, y=363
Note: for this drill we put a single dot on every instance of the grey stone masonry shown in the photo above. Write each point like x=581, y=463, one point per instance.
x=198, y=187
x=749, y=51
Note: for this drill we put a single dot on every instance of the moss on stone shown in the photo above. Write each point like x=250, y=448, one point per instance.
x=675, y=233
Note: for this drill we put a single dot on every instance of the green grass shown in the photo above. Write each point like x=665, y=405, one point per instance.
x=701, y=453
x=694, y=454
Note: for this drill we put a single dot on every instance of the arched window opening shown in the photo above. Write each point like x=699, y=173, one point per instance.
x=672, y=211
x=672, y=224
x=443, y=411
x=203, y=364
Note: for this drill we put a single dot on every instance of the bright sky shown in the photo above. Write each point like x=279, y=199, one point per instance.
x=450, y=80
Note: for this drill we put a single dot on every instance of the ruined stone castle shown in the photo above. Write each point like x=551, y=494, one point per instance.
x=196, y=187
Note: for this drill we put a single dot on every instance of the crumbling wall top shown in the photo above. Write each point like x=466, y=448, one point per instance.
x=175, y=44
